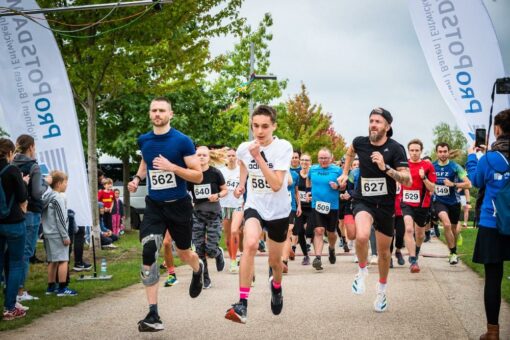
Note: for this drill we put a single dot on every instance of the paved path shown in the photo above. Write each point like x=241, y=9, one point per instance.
x=441, y=302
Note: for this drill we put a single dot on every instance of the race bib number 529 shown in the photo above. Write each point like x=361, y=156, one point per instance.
x=161, y=180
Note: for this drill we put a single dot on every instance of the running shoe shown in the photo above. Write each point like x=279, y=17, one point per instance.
x=276, y=299
x=358, y=285
x=207, y=282
x=270, y=273
x=14, y=313
x=346, y=248
x=78, y=267
x=20, y=306
x=332, y=256
x=66, y=291
x=151, y=323
x=453, y=259
x=292, y=254
x=460, y=241
x=285, y=268
x=197, y=281
x=414, y=268
x=341, y=243
x=380, y=303
x=391, y=262
x=355, y=258
x=253, y=281
x=374, y=259
x=317, y=264
x=220, y=260
x=427, y=237
x=26, y=297
x=171, y=280
x=400, y=258
x=234, y=268
x=237, y=313
x=262, y=246
x=306, y=260
x=51, y=291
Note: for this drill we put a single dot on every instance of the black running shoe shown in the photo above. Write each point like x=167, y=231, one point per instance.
x=197, y=281
x=270, y=273
x=400, y=258
x=332, y=256
x=317, y=263
x=151, y=323
x=220, y=260
x=237, y=313
x=276, y=299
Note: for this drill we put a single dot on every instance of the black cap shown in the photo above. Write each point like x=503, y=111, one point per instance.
x=386, y=115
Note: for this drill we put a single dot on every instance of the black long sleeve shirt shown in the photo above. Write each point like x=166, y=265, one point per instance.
x=13, y=185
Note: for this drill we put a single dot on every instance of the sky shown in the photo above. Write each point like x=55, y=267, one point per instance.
x=356, y=55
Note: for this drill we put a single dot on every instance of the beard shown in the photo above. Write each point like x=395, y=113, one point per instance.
x=162, y=122
x=376, y=137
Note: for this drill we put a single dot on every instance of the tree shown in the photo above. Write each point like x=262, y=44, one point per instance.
x=3, y=133
x=308, y=127
x=153, y=52
x=443, y=133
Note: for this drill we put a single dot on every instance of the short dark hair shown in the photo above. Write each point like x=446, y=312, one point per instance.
x=162, y=99
x=415, y=141
x=502, y=120
x=442, y=144
x=265, y=110
x=298, y=152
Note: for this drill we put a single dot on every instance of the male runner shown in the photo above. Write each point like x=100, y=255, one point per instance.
x=302, y=224
x=416, y=200
x=266, y=161
x=382, y=163
x=450, y=177
x=325, y=200
x=168, y=161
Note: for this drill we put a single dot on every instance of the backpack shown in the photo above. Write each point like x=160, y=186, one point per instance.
x=5, y=208
x=502, y=207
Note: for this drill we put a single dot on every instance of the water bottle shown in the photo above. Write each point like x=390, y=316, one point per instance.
x=103, y=267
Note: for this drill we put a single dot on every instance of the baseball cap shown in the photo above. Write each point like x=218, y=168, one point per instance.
x=386, y=115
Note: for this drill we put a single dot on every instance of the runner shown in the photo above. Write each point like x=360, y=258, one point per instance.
x=229, y=205
x=325, y=200
x=382, y=163
x=302, y=226
x=398, y=235
x=288, y=252
x=207, y=213
x=168, y=160
x=450, y=177
x=295, y=164
x=345, y=212
x=267, y=161
x=416, y=200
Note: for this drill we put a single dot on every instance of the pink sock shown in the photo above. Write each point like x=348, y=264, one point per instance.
x=277, y=285
x=244, y=292
x=362, y=265
x=383, y=280
x=171, y=270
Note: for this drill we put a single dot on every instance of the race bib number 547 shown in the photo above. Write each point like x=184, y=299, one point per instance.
x=161, y=180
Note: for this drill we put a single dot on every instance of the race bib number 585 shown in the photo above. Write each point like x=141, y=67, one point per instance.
x=260, y=185
x=161, y=180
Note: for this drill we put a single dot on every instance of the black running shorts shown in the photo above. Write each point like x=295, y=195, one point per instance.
x=453, y=211
x=328, y=221
x=276, y=229
x=419, y=215
x=383, y=215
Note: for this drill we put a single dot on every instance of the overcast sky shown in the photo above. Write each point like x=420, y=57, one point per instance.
x=355, y=55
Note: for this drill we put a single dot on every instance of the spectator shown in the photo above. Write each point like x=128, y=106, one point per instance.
x=492, y=173
x=100, y=179
x=107, y=237
x=77, y=236
x=106, y=197
x=117, y=214
x=56, y=237
x=12, y=228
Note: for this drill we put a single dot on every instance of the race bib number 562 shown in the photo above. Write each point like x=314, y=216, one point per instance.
x=161, y=180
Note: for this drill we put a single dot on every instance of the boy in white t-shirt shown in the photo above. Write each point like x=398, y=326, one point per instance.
x=264, y=165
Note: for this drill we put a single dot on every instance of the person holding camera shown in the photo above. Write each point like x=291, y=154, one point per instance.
x=491, y=173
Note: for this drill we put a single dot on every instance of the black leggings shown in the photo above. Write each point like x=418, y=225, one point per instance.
x=398, y=236
x=492, y=291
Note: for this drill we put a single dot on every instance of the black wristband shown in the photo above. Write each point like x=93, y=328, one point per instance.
x=424, y=178
x=139, y=178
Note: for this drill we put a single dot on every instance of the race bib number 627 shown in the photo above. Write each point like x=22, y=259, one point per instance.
x=161, y=180
x=373, y=186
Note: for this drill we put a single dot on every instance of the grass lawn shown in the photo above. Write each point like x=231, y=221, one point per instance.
x=466, y=254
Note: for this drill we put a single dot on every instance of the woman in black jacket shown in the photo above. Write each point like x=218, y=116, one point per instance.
x=12, y=226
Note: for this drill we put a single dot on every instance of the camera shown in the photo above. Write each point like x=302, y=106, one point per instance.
x=503, y=86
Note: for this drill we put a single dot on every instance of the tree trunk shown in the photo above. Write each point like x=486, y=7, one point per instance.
x=91, y=111
x=127, y=202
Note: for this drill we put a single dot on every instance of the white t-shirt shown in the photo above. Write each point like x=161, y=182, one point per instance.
x=269, y=204
x=232, y=181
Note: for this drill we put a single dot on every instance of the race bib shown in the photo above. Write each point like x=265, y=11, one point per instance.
x=373, y=186
x=259, y=184
x=232, y=184
x=322, y=207
x=202, y=191
x=411, y=196
x=161, y=180
x=302, y=196
x=442, y=190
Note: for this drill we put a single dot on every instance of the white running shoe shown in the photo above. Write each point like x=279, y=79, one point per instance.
x=358, y=285
x=374, y=259
x=355, y=258
x=25, y=297
x=380, y=303
x=20, y=306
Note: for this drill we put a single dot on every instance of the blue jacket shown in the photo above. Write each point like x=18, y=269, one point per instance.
x=492, y=171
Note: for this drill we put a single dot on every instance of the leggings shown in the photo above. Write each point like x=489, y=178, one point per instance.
x=492, y=291
x=398, y=236
x=300, y=231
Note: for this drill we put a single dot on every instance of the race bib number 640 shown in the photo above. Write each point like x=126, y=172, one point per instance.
x=161, y=180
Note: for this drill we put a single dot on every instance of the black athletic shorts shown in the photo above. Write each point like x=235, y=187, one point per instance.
x=292, y=217
x=383, y=215
x=276, y=229
x=453, y=211
x=176, y=217
x=304, y=220
x=345, y=209
x=328, y=221
x=419, y=215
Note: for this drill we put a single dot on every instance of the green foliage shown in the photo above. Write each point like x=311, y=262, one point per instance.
x=455, y=138
x=3, y=133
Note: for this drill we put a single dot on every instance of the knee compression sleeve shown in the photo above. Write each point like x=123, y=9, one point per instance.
x=151, y=245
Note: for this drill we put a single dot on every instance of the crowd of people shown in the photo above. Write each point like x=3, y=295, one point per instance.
x=265, y=196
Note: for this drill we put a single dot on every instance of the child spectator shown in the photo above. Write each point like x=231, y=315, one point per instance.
x=117, y=214
x=56, y=238
x=106, y=197
x=107, y=237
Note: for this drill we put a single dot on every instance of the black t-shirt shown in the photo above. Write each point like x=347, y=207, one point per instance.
x=15, y=189
x=211, y=183
x=302, y=190
x=373, y=185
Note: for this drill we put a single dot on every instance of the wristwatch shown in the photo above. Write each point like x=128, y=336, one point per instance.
x=388, y=168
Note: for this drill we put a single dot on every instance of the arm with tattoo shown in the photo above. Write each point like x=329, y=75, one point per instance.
x=401, y=175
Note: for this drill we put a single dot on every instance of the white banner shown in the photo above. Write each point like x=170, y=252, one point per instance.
x=36, y=99
x=462, y=52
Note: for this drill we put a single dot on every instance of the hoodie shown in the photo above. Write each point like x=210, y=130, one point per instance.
x=55, y=220
x=36, y=185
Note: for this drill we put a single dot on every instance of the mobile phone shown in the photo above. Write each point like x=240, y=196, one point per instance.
x=44, y=169
x=480, y=137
